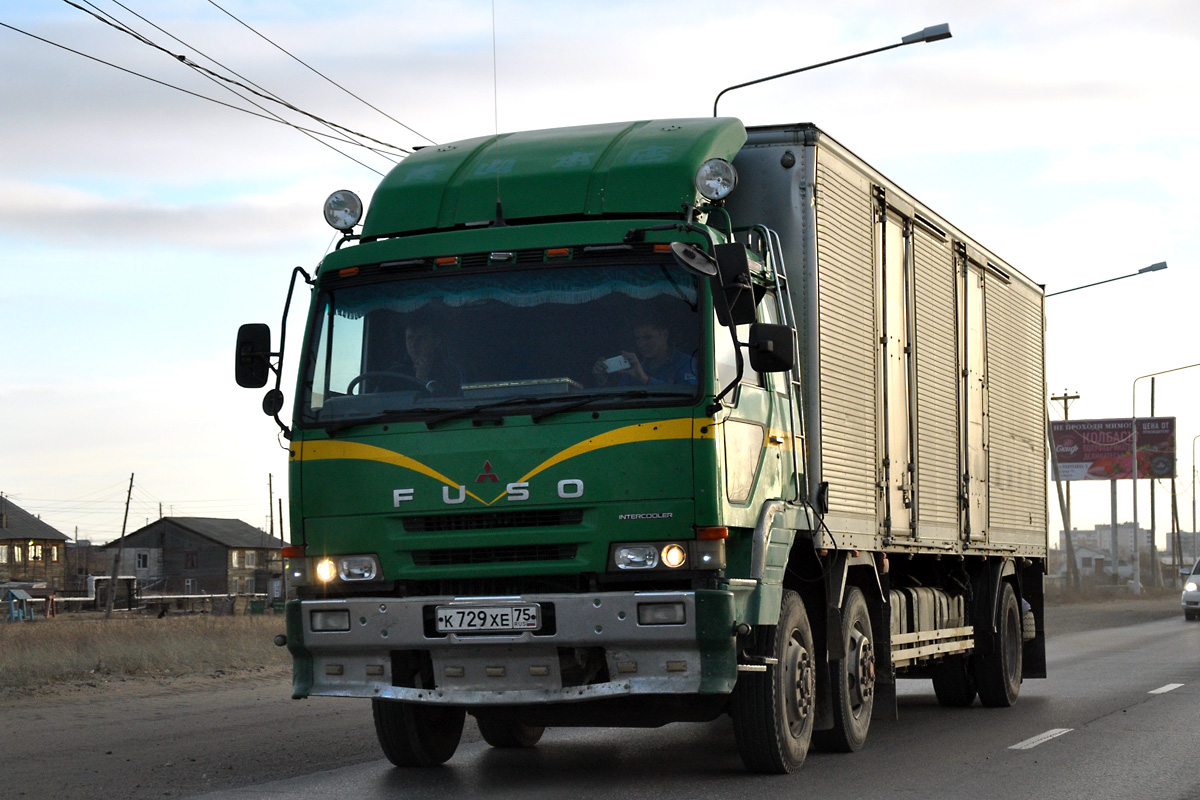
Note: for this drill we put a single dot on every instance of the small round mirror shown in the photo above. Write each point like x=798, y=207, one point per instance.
x=272, y=402
x=693, y=259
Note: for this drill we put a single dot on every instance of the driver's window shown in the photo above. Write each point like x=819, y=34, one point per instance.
x=726, y=360
x=333, y=374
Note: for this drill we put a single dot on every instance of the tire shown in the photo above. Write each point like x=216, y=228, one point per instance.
x=773, y=711
x=1189, y=614
x=505, y=731
x=851, y=680
x=414, y=735
x=954, y=682
x=998, y=674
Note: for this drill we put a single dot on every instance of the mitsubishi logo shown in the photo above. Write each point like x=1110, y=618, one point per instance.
x=487, y=474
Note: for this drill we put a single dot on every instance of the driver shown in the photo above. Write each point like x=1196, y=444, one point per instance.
x=431, y=367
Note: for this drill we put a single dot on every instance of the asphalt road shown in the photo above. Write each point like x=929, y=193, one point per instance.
x=1116, y=719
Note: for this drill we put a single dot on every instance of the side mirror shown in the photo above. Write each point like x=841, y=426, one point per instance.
x=770, y=347
x=734, y=264
x=252, y=356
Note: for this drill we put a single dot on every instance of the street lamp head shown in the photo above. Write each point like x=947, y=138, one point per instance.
x=933, y=33
x=1153, y=267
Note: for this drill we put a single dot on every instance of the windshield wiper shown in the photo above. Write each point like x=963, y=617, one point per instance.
x=459, y=413
x=580, y=402
x=335, y=427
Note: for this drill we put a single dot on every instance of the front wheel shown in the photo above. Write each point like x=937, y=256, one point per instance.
x=414, y=735
x=500, y=730
x=852, y=680
x=773, y=711
x=998, y=673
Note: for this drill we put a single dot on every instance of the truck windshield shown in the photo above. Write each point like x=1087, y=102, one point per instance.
x=421, y=346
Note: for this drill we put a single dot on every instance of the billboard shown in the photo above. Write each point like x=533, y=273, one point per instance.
x=1099, y=449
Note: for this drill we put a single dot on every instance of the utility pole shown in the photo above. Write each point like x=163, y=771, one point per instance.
x=1072, y=567
x=271, y=504
x=112, y=583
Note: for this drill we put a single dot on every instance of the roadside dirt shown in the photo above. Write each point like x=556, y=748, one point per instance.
x=156, y=738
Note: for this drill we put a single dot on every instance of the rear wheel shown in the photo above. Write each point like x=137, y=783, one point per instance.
x=998, y=673
x=954, y=682
x=505, y=731
x=1189, y=614
x=773, y=711
x=852, y=680
x=413, y=735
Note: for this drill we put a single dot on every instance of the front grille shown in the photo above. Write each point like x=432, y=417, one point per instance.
x=437, y=523
x=494, y=555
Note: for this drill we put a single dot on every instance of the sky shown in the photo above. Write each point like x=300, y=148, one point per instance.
x=140, y=226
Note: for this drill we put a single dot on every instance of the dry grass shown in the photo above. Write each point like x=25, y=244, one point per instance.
x=50, y=651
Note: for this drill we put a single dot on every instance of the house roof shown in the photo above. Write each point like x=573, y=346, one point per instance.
x=232, y=533
x=20, y=524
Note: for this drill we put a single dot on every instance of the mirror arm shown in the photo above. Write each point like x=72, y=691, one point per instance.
x=275, y=397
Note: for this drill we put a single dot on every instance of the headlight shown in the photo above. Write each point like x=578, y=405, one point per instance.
x=716, y=179
x=668, y=556
x=358, y=568
x=347, y=568
x=326, y=570
x=673, y=555
x=1190, y=586
x=636, y=556
x=343, y=210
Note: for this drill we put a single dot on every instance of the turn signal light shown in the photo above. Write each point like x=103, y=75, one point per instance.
x=708, y=534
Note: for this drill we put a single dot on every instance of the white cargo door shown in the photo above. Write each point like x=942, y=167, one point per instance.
x=897, y=451
x=975, y=459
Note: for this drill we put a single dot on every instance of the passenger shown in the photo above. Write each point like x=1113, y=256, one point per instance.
x=654, y=362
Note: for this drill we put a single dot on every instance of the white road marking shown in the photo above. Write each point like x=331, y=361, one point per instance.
x=1029, y=744
x=1170, y=687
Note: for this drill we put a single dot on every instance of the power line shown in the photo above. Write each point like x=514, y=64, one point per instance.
x=217, y=77
x=335, y=83
x=264, y=93
x=188, y=92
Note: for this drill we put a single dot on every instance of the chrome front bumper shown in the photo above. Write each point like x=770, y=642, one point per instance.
x=507, y=668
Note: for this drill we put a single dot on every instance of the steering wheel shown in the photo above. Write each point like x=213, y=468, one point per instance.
x=385, y=376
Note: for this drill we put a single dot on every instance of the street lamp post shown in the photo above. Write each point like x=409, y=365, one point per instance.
x=931, y=34
x=1137, y=566
x=1155, y=267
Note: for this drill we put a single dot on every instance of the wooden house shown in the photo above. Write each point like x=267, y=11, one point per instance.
x=200, y=555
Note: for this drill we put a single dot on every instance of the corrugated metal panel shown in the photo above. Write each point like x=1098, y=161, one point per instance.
x=849, y=344
x=1016, y=414
x=937, y=384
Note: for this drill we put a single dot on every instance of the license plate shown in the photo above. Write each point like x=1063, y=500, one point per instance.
x=460, y=619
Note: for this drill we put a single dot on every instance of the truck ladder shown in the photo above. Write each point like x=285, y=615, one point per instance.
x=779, y=274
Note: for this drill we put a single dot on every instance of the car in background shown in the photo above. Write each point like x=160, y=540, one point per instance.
x=1191, y=593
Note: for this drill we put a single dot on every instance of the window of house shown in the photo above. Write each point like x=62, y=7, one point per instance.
x=1087, y=562
x=191, y=561
x=249, y=585
x=236, y=556
x=3, y=554
x=18, y=556
x=251, y=558
x=189, y=586
x=35, y=552
x=54, y=554
x=143, y=560
x=235, y=585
